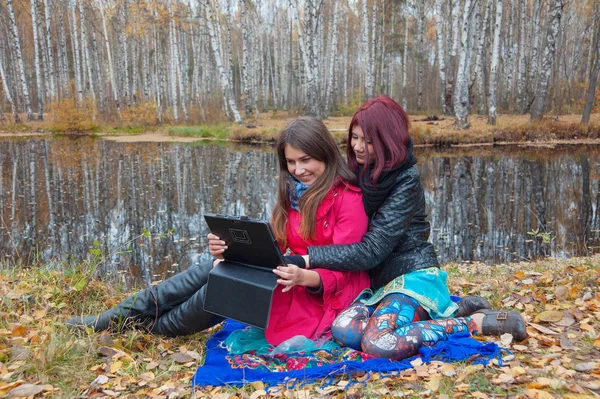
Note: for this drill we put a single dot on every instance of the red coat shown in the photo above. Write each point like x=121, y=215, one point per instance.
x=341, y=219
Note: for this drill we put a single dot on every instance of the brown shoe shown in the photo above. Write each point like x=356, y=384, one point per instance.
x=498, y=322
x=470, y=304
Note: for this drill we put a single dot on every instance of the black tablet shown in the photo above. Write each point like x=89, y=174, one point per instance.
x=249, y=241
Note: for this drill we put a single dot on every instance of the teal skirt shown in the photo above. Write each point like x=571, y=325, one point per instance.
x=426, y=286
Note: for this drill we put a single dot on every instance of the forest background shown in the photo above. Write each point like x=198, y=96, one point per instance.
x=85, y=63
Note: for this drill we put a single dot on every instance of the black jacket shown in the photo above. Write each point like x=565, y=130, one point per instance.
x=396, y=242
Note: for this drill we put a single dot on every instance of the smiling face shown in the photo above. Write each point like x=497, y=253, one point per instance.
x=302, y=166
x=359, y=145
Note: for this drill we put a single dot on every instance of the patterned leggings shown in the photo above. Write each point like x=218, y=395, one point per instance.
x=396, y=329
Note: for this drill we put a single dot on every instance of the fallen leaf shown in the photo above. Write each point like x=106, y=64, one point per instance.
x=100, y=380
x=543, y=329
x=18, y=331
x=506, y=339
x=107, y=352
x=181, y=358
x=151, y=366
x=258, y=385
x=417, y=362
x=479, y=395
x=434, y=383
x=550, y=316
x=25, y=390
x=583, y=367
x=566, y=343
x=147, y=376
x=538, y=394
x=562, y=292
x=116, y=366
x=258, y=393
x=4, y=388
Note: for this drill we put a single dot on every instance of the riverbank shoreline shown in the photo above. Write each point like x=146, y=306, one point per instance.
x=509, y=130
x=557, y=298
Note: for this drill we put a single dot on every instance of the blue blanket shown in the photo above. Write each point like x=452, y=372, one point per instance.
x=222, y=368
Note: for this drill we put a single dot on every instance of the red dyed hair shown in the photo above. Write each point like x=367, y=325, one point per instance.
x=385, y=124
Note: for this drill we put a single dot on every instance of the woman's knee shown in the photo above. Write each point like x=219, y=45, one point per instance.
x=348, y=327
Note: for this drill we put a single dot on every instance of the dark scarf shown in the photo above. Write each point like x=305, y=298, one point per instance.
x=374, y=195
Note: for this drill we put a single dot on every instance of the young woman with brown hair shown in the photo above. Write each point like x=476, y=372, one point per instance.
x=317, y=204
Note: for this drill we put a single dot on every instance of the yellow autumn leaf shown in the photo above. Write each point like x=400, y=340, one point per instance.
x=550, y=316
x=538, y=394
x=116, y=366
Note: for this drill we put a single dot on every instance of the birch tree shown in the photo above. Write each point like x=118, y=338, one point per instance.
x=332, y=58
x=492, y=99
x=5, y=84
x=39, y=78
x=245, y=59
x=16, y=49
x=50, y=64
x=405, y=56
x=461, y=91
x=591, y=91
x=520, y=103
x=439, y=25
x=479, y=75
x=556, y=8
x=421, y=52
x=227, y=92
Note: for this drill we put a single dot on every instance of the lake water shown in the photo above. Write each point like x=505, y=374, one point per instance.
x=141, y=204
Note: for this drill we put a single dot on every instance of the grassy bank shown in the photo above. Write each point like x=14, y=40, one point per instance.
x=558, y=298
x=264, y=129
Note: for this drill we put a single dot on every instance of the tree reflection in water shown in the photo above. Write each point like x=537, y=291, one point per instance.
x=61, y=197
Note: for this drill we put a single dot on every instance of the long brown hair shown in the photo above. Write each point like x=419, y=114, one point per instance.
x=311, y=137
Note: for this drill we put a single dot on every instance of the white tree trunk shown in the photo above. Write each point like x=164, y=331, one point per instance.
x=533, y=61
x=556, y=7
x=16, y=49
x=364, y=45
x=110, y=67
x=308, y=55
x=420, y=42
x=492, y=99
x=50, y=66
x=245, y=60
x=173, y=70
x=405, y=56
x=63, y=65
x=456, y=23
x=461, y=91
x=7, y=88
x=85, y=51
x=439, y=27
x=522, y=81
x=217, y=55
x=76, y=55
x=36, y=53
x=332, y=55
x=595, y=74
x=480, y=78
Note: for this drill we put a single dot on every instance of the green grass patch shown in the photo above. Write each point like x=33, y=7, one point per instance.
x=219, y=131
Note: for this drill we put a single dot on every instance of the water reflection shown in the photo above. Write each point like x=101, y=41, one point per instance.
x=61, y=197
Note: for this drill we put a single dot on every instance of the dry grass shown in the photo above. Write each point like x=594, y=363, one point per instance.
x=558, y=299
x=265, y=127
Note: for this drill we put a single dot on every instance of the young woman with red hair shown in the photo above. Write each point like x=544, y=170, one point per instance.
x=411, y=305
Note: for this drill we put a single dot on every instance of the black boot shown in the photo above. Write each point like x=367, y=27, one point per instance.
x=470, y=304
x=502, y=322
x=186, y=318
x=147, y=306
